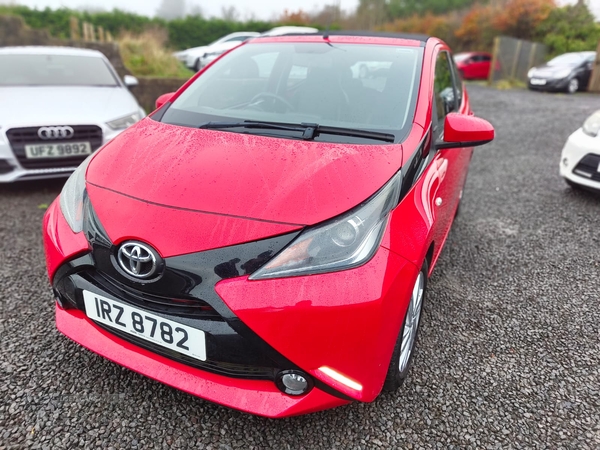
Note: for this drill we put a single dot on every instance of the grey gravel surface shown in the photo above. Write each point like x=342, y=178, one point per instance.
x=509, y=355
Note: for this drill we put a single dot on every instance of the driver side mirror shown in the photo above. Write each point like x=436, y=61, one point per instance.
x=130, y=81
x=160, y=101
x=465, y=131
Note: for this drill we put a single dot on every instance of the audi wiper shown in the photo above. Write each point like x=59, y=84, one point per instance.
x=309, y=130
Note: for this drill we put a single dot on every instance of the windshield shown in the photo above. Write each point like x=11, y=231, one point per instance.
x=54, y=70
x=567, y=59
x=367, y=87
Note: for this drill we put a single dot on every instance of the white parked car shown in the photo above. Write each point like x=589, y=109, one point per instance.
x=280, y=31
x=58, y=105
x=580, y=159
x=192, y=56
x=217, y=50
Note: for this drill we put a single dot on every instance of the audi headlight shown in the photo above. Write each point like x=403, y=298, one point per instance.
x=342, y=243
x=531, y=73
x=71, y=197
x=564, y=73
x=124, y=122
x=591, y=126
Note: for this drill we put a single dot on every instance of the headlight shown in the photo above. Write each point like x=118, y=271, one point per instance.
x=591, y=126
x=124, y=122
x=564, y=73
x=71, y=196
x=531, y=73
x=342, y=243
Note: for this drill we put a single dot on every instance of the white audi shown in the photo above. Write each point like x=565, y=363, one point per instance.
x=58, y=105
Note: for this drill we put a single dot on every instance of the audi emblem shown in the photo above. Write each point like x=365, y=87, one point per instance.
x=47, y=133
x=138, y=260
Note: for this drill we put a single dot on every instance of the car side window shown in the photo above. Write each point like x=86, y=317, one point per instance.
x=458, y=84
x=445, y=98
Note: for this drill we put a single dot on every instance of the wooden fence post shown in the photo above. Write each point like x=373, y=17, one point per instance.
x=513, y=71
x=101, y=34
x=494, y=60
x=594, y=85
x=74, y=25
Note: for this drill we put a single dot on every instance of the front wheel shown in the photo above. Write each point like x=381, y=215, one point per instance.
x=405, y=343
x=573, y=86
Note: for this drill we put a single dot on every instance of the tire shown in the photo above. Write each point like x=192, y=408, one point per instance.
x=405, y=345
x=573, y=85
x=197, y=65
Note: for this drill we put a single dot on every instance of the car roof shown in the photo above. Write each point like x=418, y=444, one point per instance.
x=47, y=50
x=371, y=37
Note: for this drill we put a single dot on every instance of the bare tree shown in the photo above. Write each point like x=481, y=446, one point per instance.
x=171, y=9
x=195, y=10
x=229, y=13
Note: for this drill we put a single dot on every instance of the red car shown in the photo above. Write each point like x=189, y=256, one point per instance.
x=263, y=240
x=474, y=65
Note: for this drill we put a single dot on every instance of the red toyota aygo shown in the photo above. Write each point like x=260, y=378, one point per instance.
x=263, y=240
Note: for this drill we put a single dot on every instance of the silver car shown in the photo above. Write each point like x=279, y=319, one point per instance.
x=59, y=105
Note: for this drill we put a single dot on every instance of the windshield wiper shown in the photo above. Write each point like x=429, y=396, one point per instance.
x=309, y=130
x=257, y=125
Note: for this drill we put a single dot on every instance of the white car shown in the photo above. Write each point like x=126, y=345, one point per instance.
x=192, y=56
x=217, y=50
x=280, y=31
x=580, y=159
x=59, y=105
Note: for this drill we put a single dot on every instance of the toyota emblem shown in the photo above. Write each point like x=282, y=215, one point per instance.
x=47, y=133
x=138, y=260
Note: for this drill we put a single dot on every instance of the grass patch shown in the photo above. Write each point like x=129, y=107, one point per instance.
x=145, y=55
x=509, y=83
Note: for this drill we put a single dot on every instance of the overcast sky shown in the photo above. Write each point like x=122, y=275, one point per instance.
x=260, y=9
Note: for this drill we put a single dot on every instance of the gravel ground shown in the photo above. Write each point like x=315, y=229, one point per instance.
x=508, y=356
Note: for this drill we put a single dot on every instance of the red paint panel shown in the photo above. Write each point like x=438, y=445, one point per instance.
x=60, y=243
x=173, y=231
x=256, y=397
x=257, y=177
x=466, y=128
x=348, y=321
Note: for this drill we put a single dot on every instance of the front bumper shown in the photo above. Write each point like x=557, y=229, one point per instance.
x=12, y=168
x=552, y=85
x=578, y=160
x=347, y=321
x=252, y=396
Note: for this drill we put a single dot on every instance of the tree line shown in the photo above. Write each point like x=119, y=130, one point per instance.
x=464, y=24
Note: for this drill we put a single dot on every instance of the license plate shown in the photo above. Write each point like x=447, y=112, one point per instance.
x=538, y=81
x=58, y=150
x=150, y=327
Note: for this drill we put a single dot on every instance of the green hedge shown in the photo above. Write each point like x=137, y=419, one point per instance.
x=184, y=33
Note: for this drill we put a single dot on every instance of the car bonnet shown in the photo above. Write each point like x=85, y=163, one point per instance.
x=256, y=177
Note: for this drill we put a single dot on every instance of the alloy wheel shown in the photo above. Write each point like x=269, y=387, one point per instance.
x=411, y=322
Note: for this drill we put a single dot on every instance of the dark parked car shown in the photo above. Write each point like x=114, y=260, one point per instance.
x=569, y=72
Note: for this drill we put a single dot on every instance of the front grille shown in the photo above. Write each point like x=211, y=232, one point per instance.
x=20, y=137
x=183, y=307
x=589, y=167
x=228, y=369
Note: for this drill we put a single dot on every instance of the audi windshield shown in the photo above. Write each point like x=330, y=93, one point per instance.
x=357, y=87
x=54, y=70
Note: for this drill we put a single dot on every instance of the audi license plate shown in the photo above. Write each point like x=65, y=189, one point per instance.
x=58, y=150
x=538, y=81
x=142, y=324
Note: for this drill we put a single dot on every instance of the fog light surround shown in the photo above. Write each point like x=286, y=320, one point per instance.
x=294, y=382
